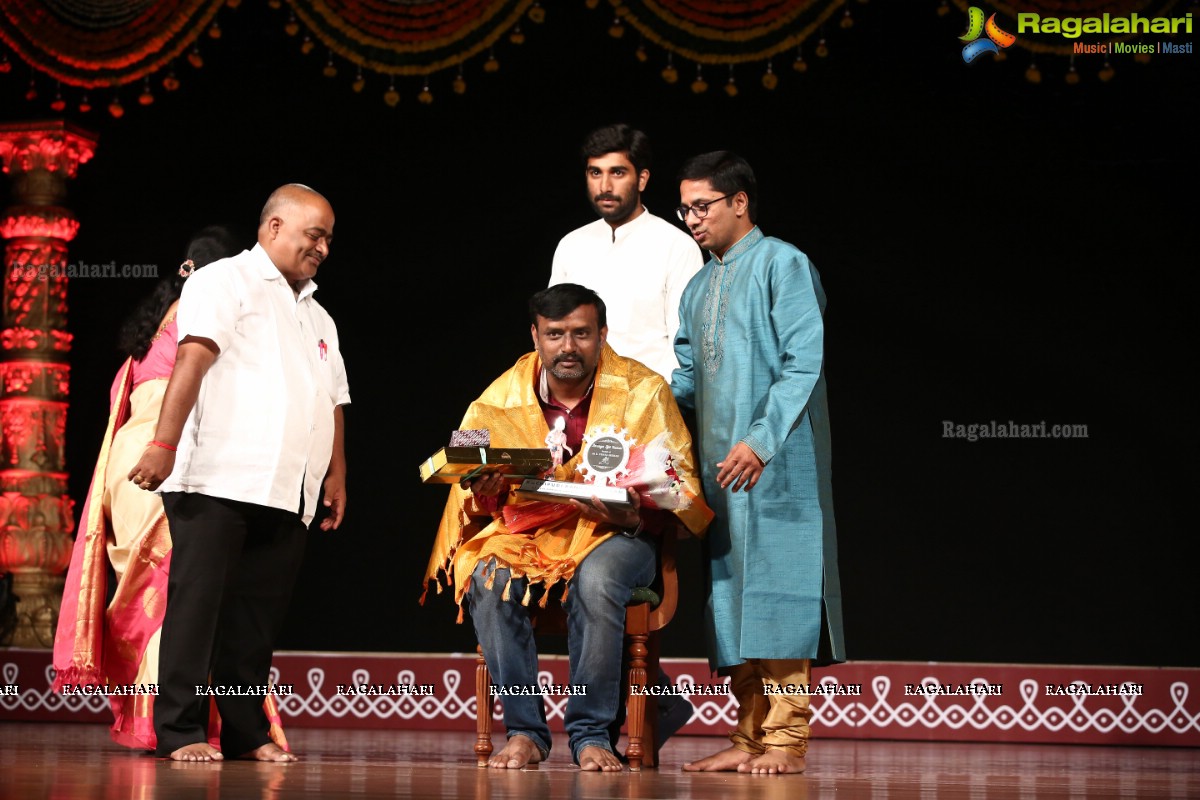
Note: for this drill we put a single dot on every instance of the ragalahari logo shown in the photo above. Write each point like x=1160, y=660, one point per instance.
x=996, y=40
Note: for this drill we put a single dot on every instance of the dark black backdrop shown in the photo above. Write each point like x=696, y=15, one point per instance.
x=991, y=249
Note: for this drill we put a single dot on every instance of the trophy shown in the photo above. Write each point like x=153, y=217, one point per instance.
x=604, y=460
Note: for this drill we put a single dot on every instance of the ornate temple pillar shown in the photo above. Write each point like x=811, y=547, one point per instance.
x=36, y=513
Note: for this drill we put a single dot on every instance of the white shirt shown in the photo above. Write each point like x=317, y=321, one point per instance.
x=639, y=270
x=262, y=428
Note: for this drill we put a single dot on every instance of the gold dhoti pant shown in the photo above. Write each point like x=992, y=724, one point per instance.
x=770, y=716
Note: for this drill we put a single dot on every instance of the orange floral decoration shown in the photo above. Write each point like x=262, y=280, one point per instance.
x=729, y=31
x=413, y=38
x=95, y=45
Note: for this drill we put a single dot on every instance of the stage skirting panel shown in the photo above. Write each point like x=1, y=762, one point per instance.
x=859, y=700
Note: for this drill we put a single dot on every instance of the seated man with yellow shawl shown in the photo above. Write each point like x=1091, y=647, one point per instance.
x=494, y=556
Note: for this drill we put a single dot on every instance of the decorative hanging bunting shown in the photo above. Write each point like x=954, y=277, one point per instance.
x=726, y=31
x=415, y=37
x=108, y=44
x=104, y=44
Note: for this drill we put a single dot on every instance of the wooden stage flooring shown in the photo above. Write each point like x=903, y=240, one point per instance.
x=63, y=761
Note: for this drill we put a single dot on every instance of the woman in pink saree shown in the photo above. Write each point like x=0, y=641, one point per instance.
x=114, y=642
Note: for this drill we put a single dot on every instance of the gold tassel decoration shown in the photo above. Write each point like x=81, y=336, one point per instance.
x=669, y=73
x=769, y=79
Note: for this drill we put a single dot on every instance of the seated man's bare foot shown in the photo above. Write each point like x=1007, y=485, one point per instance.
x=727, y=760
x=270, y=752
x=200, y=751
x=521, y=752
x=597, y=759
x=776, y=761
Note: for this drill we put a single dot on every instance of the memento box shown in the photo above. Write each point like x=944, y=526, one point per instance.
x=562, y=491
x=456, y=464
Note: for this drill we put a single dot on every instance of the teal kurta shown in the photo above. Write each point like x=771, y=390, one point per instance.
x=751, y=353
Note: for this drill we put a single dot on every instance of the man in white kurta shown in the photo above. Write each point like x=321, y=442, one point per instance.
x=638, y=263
x=250, y=432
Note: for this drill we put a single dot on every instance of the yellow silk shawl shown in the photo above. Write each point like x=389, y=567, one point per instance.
x=627, y=395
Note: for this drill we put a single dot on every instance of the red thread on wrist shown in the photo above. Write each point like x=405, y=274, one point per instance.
x=163, y=445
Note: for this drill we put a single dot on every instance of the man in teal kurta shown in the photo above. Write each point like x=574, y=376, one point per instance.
x=751, y=351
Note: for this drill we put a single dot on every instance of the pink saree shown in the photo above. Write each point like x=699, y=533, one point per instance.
x=125, y=527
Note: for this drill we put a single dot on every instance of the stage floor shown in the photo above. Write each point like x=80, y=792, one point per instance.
x=71, y=760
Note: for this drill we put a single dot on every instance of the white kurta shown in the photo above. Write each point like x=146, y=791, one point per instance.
x=639, y=270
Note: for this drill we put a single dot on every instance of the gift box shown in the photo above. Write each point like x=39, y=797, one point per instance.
x=561, y=492
x=458, y=464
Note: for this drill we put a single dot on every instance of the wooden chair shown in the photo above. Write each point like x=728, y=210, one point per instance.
x=648, y=612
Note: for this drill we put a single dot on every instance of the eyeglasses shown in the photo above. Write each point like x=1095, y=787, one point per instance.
x=699, y=209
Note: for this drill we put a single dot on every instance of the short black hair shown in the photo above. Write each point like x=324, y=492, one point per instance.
x=561, y=299
x=618, y=138
x=728, y=173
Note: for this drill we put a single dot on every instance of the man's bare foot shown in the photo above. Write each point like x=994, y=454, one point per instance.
x=728, y=760
x=270, y=752
x=776, y=761
x=597, y=759
x=520, y=753
x=200, y=751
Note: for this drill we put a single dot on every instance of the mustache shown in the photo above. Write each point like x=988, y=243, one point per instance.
x=607, y=196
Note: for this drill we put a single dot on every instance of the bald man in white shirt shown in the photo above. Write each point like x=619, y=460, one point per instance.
x=251, y=431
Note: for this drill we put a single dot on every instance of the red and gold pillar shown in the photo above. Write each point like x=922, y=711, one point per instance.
x=36, y=513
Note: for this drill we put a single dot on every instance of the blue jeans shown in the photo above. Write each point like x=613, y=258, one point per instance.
x=595, y=606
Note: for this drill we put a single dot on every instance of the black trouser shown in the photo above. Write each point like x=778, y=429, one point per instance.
x=233, y=566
